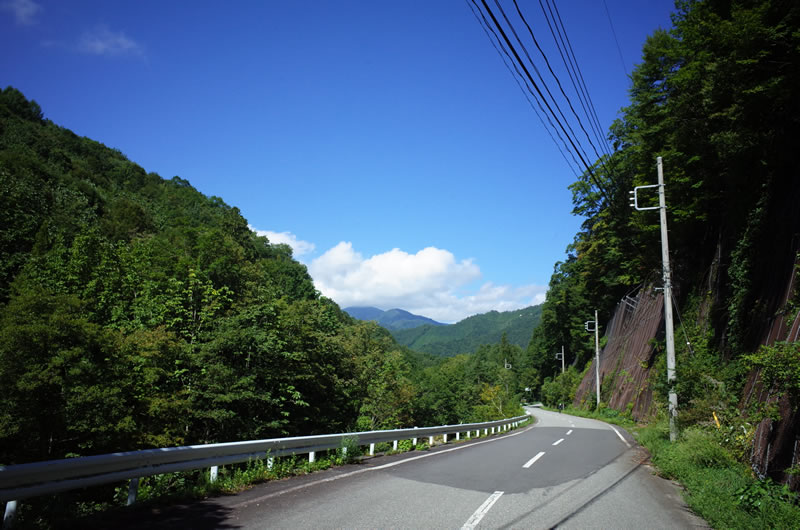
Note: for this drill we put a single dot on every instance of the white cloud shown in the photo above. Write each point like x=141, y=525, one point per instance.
x=429, y=283
x=103, y=41
x=299, y=247
x=24, y=11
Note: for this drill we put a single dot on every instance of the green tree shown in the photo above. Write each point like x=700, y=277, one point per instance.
x=63, y=381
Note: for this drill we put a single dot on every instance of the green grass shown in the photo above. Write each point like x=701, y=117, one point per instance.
x=717, y=487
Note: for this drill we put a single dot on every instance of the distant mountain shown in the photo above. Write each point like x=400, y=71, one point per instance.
x=364, y=313
x=393, y=319
x=467, y=335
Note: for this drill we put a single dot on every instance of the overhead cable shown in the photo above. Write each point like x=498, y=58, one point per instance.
x=539, y=90
x=550, y=69
x=610, y=23
x=509, y=63
x=572, y=66
x=581, y=78
x=521, y=63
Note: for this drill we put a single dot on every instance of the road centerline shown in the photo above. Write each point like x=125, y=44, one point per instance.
x=558, y=441
x=530, y=462
x=476, y=517
x=569, y=432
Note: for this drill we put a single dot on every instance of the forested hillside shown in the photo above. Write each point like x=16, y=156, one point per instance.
x=472, y=332
x=716, y=97
x=136, y=312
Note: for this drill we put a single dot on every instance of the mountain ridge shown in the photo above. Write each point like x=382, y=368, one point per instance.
x=467, y=335
x=391, y=319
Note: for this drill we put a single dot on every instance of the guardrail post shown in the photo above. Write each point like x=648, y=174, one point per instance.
x=458, y=436
x=371, y=449
x=430, y=441
x=415, y=441
x=468, y=433
x=312, y=456
x=133, y=490
x=485, y=431
x=394, y=445
x=212, y=473
x=445, y=437
x=10, y=514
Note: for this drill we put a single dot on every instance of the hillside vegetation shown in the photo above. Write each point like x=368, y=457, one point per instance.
x=716, y=97
x=136, y=312
x=469, y=334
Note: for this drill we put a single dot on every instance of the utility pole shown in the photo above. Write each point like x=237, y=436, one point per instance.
x=662, y=207
x=597, y=355
x=561, y=356
x=596, y=352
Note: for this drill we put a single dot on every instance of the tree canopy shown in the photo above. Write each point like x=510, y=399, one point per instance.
x=136, y=312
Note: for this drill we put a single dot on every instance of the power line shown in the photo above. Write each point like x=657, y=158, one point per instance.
x=520, y=80
x=530, y=79
x=550, y=68
x=579, y=149
x=608, y=14
x=550, y=107
x=575, y=67
x=566, y=61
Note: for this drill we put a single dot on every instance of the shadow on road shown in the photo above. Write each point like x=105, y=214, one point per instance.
x=198, y=515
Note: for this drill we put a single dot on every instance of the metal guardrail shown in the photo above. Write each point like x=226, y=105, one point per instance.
x=24, y=481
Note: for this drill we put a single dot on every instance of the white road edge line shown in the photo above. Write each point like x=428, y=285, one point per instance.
x=621, y=437
x=530, y=462
x=569, y=432
x=473, y=521
x=558, y=441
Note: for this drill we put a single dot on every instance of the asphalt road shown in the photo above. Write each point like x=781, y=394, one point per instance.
x=564, y=472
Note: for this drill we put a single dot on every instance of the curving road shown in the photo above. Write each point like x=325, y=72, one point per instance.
x=564, y=472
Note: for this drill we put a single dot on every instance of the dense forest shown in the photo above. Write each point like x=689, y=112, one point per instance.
x=136, y=312
x=716, y=97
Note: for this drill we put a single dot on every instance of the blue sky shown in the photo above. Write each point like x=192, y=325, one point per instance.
x=385, y=141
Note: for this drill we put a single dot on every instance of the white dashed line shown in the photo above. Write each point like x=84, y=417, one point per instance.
x=473, y=521
x=530, y=462
x=558, y=441
x=569, y=432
